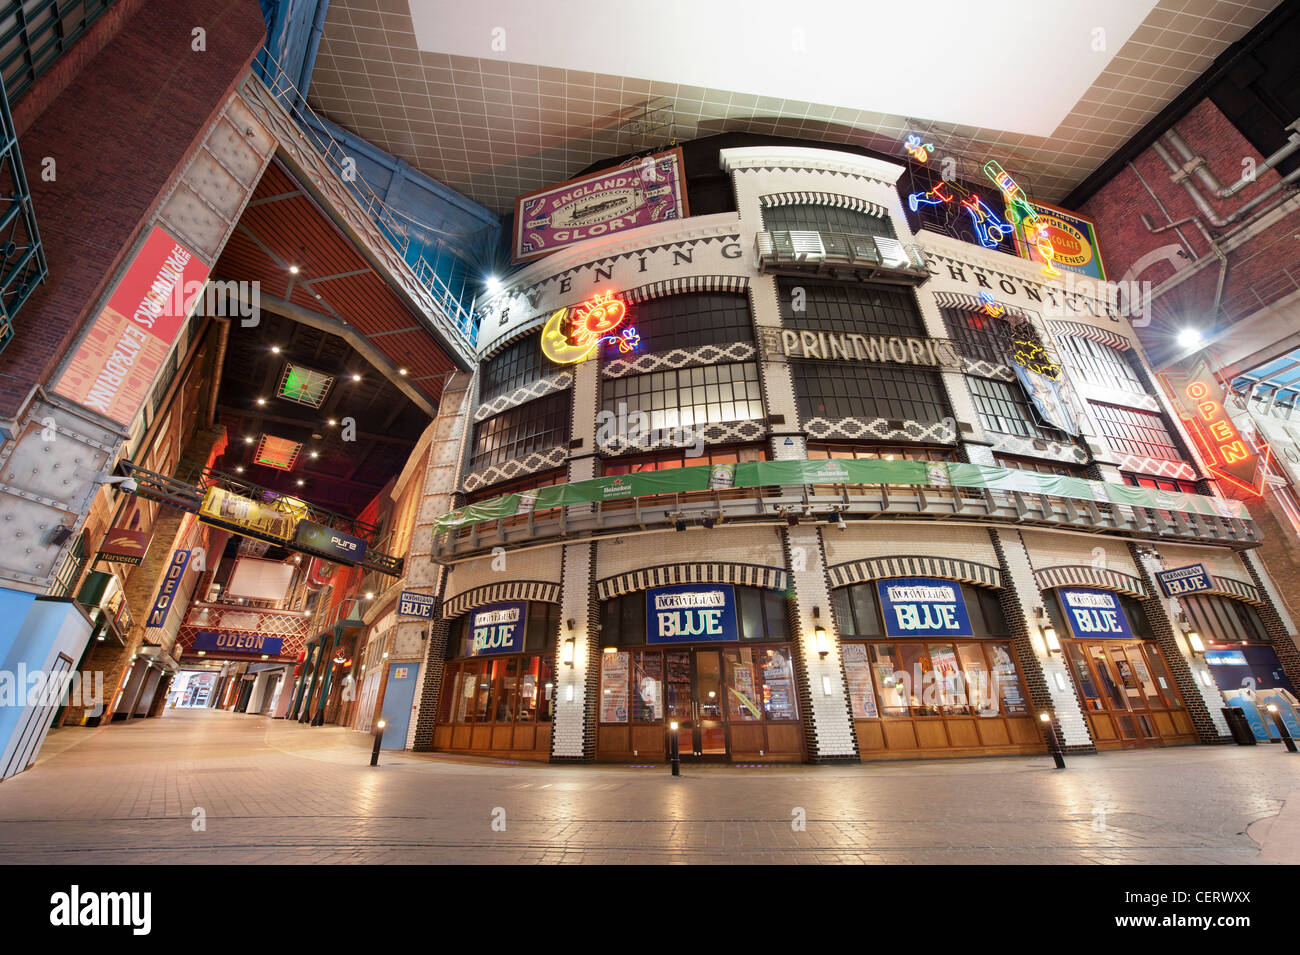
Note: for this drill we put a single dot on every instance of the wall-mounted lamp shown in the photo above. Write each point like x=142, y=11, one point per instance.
x=566, y=653
x=1050, y=638
x=819, y=635
x=1195, y=642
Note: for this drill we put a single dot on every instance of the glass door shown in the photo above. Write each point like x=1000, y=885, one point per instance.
x=679, y=701
x=694, y=696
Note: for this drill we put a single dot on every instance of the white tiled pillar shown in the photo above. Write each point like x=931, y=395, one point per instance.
x=573, y=729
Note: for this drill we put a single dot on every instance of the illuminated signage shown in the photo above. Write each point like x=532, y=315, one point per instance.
x=333, y=544
x=1023, y=214
x=572, y=335
x=1185, y=580
x=691, y=613
x=990, y=231
x=876, y=348
x=1094, y=613
x=263, y=520
x=923, y=607
x=918, y=150
x=498, y=628
x=167, y=592
x=1227, y=454
x=991, y=307
x=221, y=641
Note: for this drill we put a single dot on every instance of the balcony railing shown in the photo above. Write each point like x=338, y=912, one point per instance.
x=866, y=256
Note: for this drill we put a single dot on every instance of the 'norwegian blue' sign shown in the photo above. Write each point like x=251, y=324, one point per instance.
x=498, y=628
x=222, y=641
x=923, y=607
x=412, y=604
x=1093, y=613
x=167, y=592
x=691, y=613
x=1193, y=579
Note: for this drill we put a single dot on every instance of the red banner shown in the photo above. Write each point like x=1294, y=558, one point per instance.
x=115, y=364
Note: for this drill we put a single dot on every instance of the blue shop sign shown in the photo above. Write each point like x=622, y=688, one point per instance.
x=222, y=641
x=1225, y=658
x=498, y=628
x=691, y=613
x=1193, y=579
x=1093, y=613
x=923, y=607
x=412, y=604
x=167, y=592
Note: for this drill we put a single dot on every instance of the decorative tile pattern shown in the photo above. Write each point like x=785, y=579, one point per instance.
x=986, y=369
x=536, y=389
x=1080, y=330
x=772, y=200
x=540, y=590
x=680, y=358
x=874, y=568
x=878, y=429
x=1157, y=466
x=1025, y=447
x=1083, y=575
x=736, y=432
x=538, y=461
x=665, y=575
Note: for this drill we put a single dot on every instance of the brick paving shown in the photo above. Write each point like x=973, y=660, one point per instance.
x=276, y=792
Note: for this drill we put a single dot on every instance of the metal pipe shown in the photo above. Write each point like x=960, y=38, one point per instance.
x=1180, y=176
x=1165, y=212
x=1196, y=164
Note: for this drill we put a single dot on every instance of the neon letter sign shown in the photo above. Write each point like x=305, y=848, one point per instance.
x=572, y=335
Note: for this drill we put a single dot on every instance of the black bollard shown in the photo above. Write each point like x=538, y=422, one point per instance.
x=1287, y=741
x=1053, y=744
x=675, y=750
x=379, y=738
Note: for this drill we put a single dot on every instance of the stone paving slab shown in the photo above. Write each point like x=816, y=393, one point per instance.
x=275, y=792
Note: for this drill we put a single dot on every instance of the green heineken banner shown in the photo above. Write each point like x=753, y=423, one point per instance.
x=836, y=471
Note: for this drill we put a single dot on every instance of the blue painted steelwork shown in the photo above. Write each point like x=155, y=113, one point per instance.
x=22, y=259
x=1278, y=380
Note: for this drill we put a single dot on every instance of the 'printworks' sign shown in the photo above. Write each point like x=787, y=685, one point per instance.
x=691, y=613
x=498, y=628
x=923, y=607
x=1093, y=613
x=222, y=641
x=841, y=346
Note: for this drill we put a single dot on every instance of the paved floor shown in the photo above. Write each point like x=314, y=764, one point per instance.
x=198, y=786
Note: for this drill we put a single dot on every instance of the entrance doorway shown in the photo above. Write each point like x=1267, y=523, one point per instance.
x=1128, y=695
x=695, y=697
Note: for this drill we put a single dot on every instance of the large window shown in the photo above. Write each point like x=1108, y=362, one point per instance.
x=532, y=426
x=1223, y=620
x=760, y=616
x=513, y=367
x=1004, y=409
x=687, y=321
x=819, y=218
x=1059, y=468
x=504, y=688
x=1101, y=364
x=681, y=458
x=855, y=309
x=829, y=389
x=688, y=397
x=539, y=631
x=1131, y=431
x=876, y=452
x=980, y=337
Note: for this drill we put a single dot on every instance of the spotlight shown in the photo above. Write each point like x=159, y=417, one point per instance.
x=261, y=401
x=275, y=349
x=331, y=422
x=493, y=285
x=401, y=371
x=356, y=377
x=301, y=482
x=1189, y=337
x=293, y=270
x=239, y=469
x=248, y=439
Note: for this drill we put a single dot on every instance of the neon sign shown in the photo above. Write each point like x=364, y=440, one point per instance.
x=995, y=309
x=1023, y=215
x=918, y=150
x=573, y=335
x=989, y=229
x=1227, y=454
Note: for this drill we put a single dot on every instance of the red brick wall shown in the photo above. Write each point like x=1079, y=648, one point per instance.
x=119, y=132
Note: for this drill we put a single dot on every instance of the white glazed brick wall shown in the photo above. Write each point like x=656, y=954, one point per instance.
x=829, y=713
x=1201, y=675
x=569, y=726
x=889, y=540
x=540, y=564
x=1065, y=702
x=741, y=545
x=1051, y=550
x=1279, y=605
x=1217, y=560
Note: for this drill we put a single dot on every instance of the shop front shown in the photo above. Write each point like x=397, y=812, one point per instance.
x=1122, y=678
x=498, y=686
x=932, y=671
x=714, y=659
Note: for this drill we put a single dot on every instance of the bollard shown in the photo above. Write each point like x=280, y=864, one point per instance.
x=379, y=738
x=675, y=750
x=1053, y=744
x=1287, y=741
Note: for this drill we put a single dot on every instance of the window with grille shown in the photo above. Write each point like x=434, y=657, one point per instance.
x=831, y=389
x=1101, y=364
x=980, y=337
x=513, y=367
x=855, y=309
x=818, y=218
x=688, y=397
x=533, y=426
x=682, y=458
x=876, y=452
x=1004, y=409
x=1136, y=432
x=688, y=321
x=1059, y=468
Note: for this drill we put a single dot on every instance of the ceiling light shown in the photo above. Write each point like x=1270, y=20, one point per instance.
x=293, y=270
x=370, y=595
x=261, y=401
x=356, y=377
x=315, y=454
x=1189, y=337
x=275, y=349
x=301, y=482
x=248, y=439
x=493, y=284
x=331, y=422
x=239, y=469
x=401, y=371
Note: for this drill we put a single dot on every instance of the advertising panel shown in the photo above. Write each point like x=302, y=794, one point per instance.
x=691, y=613
x=275, y=519
x=923, y=607
x=1094, y=614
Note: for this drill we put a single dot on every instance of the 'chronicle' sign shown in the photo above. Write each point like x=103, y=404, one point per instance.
x=498, y=628
x=1094, y=613
x=222, y=641
x=1194, y=579
x=878, y=348
x=691, y=613
x=923, y=607
x=412, y=604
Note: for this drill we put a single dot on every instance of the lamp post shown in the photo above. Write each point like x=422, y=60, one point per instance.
x=673, y=749
x=379, y=738
x=1287, y=741
x=1052, y=743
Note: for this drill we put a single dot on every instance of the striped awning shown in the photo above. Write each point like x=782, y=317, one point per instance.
x=973, y=303
x=1084, y=575
x=541, y=590
x=774, y=199
x=1228, y=587
x=665, y=575
x=1084, y=330
x=691, y=283
x=875, y=568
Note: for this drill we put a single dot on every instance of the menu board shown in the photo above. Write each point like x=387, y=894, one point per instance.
x=744, y=705
x=857, y=670
x=1004, y=671
x=778, y=686
x=613, y=683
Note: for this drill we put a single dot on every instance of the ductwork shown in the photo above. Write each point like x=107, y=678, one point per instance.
x=1181, y=174
x=1198, y=167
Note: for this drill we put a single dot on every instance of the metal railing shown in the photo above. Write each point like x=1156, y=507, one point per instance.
x=885, y=258
x=22, y=257
x=344, y=165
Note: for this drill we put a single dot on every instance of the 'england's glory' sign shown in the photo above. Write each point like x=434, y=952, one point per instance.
x=923, y=607
x=690, y=614
x=1094, y=613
